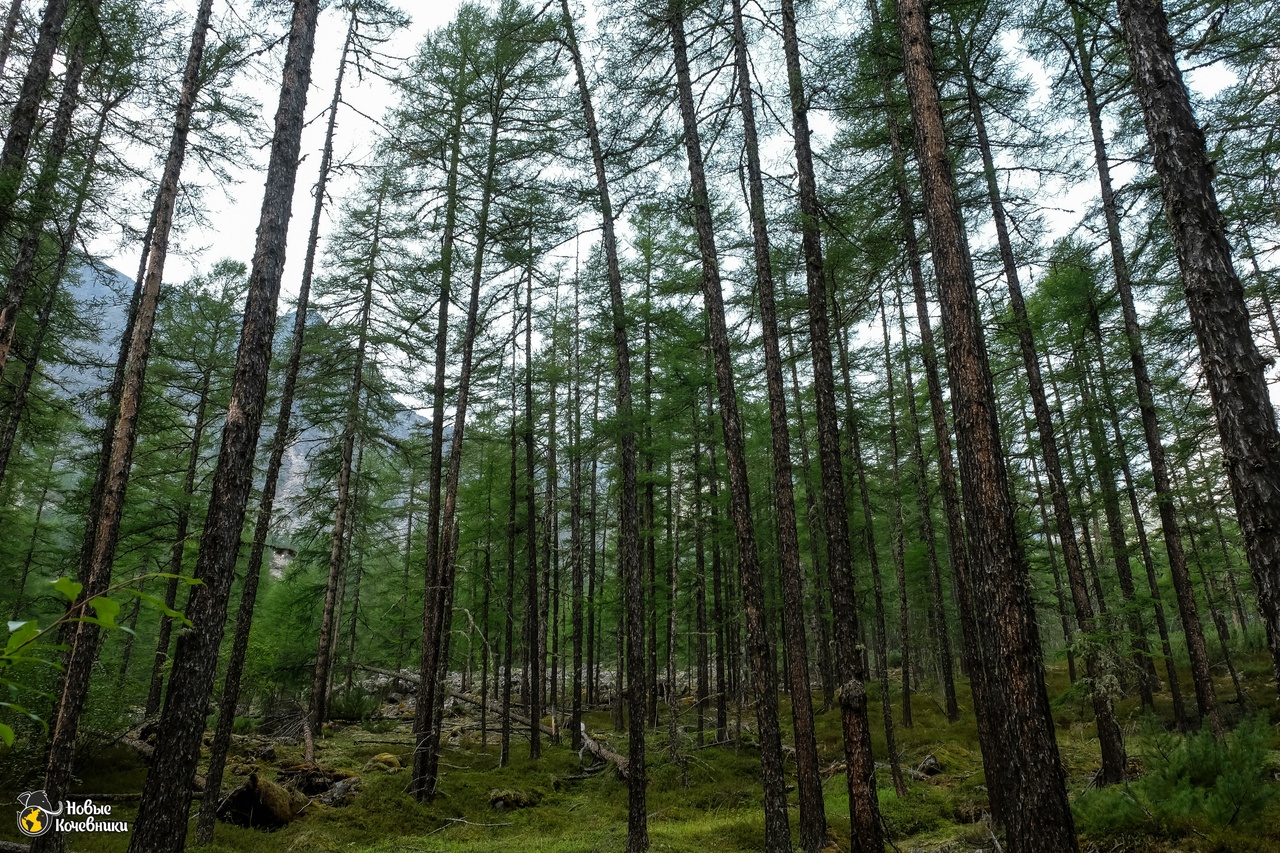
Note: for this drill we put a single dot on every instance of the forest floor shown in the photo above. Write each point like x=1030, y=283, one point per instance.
x=712, y=804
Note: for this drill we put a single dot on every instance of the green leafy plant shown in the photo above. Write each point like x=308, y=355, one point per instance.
x=1194, y=784
x=28, y=643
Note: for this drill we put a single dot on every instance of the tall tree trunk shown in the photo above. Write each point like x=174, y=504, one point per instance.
x=1233, y=367
x=1035, y=811
x=764, y=677
x=1113, y=757
x=533, y=646
x=575, y=523
x=1068, y=635
x=700, y=568
x=971, y=657
x=813, y=820
x=628, y=521
x=822, y=624
x=280, y=441
x=43, y=196
x=26, y=111
x=10, y=29
x=879, y=630
x=938, y=611
x=718, y=602
x=508, y=640
x=68, y=234
x=1187, y=607
x=180, y=536
x=593, y=632
x=107, y=503
x=1106, y=477
x=899, y=545
x=343, y=510
x=435, y=618
x=864, y=808
x=162, y=820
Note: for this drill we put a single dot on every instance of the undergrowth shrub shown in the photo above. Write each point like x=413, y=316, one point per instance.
x=353, y=705
x=1194, y=784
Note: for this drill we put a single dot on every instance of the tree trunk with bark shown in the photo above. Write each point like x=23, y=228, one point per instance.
x=1113, y=756
x=813, y=822
x=764, y=677
x=26, y=110
x=162, y=820
x=119, y=436
x=43, y=197
x=628, y=516
x=343, y=509
x=266, y=503
x=1035, y=811
x=1233, y=367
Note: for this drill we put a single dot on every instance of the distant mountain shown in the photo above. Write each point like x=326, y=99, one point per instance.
x=102, y=294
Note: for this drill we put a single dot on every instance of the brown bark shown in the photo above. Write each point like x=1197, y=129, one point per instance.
x=938, y=610
x=628, y=520
x=183, y=526
x=107, y=504
x=575, y=524
x=1113, y=756
x=533, y=645
x=1220, y=320
x=813, y=822
x=435, y=624
x=266, y=503
x=343, y=509
x=1106, y=477
x=162, y=820
x=764, y=676
x=1035, y=811
x=899, y=545
x=422, y=781
x=10, y=28
x=43, y=196
x=956, y=549
x=864, y=810
x=508, y=640
x=68, y=234
x=879, y=637
x=26, y=110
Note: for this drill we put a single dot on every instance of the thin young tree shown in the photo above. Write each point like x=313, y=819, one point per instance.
x=628, y=510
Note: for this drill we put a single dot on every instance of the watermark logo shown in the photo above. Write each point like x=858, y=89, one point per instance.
x=35, y=818
x=38, y=816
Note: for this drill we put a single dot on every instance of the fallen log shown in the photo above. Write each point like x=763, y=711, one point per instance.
x=524, y=721
x=602, y=752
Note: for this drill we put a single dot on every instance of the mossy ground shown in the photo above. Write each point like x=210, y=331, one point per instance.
x=710, y=805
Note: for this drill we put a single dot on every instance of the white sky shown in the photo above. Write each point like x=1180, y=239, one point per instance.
x=233, y=211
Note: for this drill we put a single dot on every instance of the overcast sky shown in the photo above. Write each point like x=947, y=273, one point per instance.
x=233, y=210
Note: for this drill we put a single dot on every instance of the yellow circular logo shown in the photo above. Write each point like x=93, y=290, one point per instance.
x=35, y=818
x=33, y=822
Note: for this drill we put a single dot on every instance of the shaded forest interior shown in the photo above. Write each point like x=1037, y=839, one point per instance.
x=695, y=425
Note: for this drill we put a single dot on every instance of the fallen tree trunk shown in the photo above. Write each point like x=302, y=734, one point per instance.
x=602, y=752
x=524, y=721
